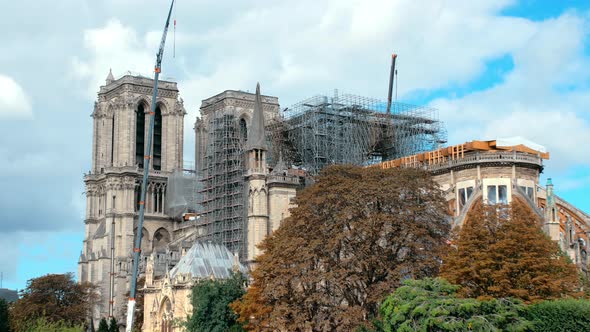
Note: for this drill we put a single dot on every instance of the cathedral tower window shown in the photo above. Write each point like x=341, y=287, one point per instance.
x=139, y=134
x=113, y=140
x=243, y=130
x=158, y=139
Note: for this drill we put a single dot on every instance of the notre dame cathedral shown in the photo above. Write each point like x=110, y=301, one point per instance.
x=234, y=156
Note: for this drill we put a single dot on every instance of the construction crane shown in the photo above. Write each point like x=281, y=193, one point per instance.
x=391, y=78
x=147, y=157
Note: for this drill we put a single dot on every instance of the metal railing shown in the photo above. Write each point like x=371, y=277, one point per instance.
x=282, y=179
x=480, y=158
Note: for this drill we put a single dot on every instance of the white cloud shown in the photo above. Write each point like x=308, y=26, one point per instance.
x=530, y=101
x=115, y=47
x=346, y=44
x=14, y=102
x=295, y=52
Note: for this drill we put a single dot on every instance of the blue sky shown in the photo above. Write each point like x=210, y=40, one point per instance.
x=496, y=68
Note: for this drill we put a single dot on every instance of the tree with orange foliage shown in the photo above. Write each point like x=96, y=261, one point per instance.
x=354, y=235
x=252, y=312
x=501, y=251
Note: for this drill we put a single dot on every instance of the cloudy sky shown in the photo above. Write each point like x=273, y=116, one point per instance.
x=493, y=68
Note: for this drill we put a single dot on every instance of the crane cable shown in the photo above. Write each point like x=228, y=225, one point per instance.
x=174, y=33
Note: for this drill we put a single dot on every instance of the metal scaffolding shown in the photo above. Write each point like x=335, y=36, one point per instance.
x=310, y=135
x=223, y=184
x=349, y=129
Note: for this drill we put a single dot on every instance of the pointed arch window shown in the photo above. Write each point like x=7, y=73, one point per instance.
x=243, y=130
x=139, y=134
x=113, y=140
x=158, y=139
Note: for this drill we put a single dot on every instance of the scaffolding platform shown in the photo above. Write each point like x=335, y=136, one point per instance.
x=350, y=129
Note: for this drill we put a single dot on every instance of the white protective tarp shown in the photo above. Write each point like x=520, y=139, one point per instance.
x=518, y=140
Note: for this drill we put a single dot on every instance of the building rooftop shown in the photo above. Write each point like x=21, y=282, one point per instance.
x=136, y=79
x=524, y=151
x=240, y=95
x=206, y=260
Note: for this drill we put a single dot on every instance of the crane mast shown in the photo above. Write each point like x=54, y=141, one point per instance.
x=391, y=78
x=147, y=158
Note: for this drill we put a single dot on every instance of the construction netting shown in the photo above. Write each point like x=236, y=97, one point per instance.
x=182, y=193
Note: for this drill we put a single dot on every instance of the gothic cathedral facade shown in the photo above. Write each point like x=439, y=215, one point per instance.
x=242, y=199
x=120, y=128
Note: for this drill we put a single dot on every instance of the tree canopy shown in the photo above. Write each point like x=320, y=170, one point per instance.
x=560, y=315
x=354, y=235
x=43, y=325
x=211, y=299
x=113, y=327
x=501, y=251
x=4, y=327
x=103, y=326
x=55, y=298
x=432, y=305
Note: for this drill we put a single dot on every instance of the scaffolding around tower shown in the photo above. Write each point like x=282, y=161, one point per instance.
x=312, y=134
x=350, y=129
x=223, y=184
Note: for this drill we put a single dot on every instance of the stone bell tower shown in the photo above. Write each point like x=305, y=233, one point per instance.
x=256, y=172
x=119, y=136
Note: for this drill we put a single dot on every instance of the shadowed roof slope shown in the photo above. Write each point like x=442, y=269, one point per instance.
x=205, y=260
x=256, y=134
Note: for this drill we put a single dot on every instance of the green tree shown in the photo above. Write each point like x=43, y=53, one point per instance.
x=560, y=315
x=43, y=325
x=211, y=299
x=54, y=297
x=501, y=251
x=432, y=305
x=4, y=326
x=103, y=326
x=354, y=235
x=113, y=327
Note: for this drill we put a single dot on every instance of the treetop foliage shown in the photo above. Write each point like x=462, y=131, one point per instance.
x=43, y=325
x=55, y=298
x=501, y=251
x=4, y=327
x=211, y=300
x=560, y=315
x=113, y=325
x=103, y=326
x=432, y=305
x=354, y=235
